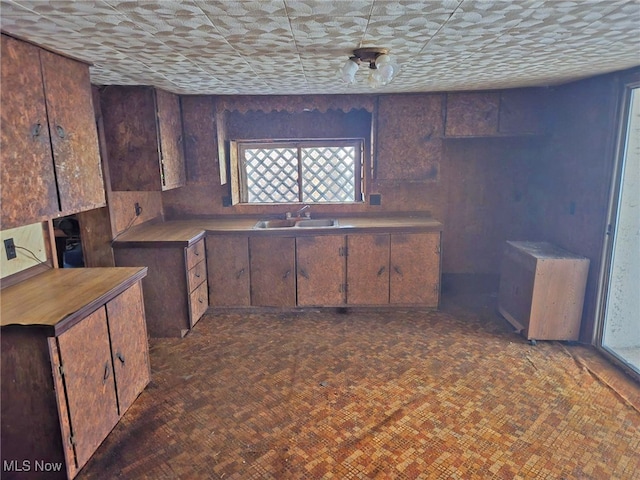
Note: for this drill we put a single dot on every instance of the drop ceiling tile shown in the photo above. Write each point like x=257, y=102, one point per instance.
x=159, y=8
x=414, y=7
x=243, y=8
x=344, y=33
x=328, y=8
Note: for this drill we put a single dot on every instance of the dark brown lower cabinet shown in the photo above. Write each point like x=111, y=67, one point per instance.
x=414, y=269
x=67, y=380
x=228, y=270
x=273, y=271
x=368, y=269
x=175, y=290
x=321, y=268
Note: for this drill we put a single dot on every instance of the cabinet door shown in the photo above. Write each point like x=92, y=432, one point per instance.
x=228, y=270
x=472, y=114
x=89, y=385
x=368, y=269
x=28, y=182
x=415, y=269
x=273, y=279
x=170, y=131
x=321, y=270
x=74, y=135
x=129, y=345
x=131, y=137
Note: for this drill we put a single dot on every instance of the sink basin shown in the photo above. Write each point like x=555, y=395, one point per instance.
x=315, y=223
x=296, y=222
x=275, y=223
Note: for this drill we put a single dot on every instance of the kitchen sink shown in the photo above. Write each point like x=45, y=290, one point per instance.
x=296, y=222
x=318, y=222
x=290, y=222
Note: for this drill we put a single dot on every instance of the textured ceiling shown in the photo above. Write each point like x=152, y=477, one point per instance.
x=298, y=46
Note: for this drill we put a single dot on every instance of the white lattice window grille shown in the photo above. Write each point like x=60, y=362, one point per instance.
x=300, y=171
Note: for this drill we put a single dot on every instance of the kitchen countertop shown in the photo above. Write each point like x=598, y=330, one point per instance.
x=187, y=232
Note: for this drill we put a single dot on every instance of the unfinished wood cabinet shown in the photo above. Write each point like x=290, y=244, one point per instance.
x=175, y=289
x=321, y=267
x=542, y=290
x=273, y=271
x=49, y=154
x=74, y=358
x=143, y=134
x=368, y=269
x=228, y=270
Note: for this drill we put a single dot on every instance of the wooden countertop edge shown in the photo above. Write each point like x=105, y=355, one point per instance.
x=344, y=227
x=73, y=318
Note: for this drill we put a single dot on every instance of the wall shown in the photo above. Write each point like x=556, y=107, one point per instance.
x=30, y=248
x=476, y=187
x=570, y=183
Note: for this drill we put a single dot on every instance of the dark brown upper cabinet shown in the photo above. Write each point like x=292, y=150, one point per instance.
x=143, y=133
x=488, y=114
x=49, y=153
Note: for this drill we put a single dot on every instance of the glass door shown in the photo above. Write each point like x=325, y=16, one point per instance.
x=620, y=326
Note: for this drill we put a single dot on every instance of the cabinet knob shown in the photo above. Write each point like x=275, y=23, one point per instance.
x=381, y=271
x=398, y=270
x=240, y=273
x=303, y=273
x=60, y=131
x=107, y=372
x=35, y=130
x=197, y=275
x=286, y=274
x=120, y=357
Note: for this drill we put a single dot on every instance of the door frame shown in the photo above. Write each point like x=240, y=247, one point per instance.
x=627, y=85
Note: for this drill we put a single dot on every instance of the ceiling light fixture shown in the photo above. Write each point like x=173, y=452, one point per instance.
x=382, y=68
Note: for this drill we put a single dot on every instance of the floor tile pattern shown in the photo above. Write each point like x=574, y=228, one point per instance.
x=374, y=394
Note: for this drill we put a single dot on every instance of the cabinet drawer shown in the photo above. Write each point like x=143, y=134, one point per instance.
x=197, y=275
x=199, y=302
x=195, y=254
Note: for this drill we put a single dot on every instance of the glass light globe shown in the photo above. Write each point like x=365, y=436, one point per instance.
x=348, y=72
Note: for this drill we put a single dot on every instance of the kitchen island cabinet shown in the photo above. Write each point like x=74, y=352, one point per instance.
x=74, y=358
x=49, y=155
x=542, y=289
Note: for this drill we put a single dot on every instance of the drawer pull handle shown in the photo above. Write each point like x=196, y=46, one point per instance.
x=200, y=300
x=398, y=270
x=60, y=131
x=107, y=371
x=286, y=274
x=240, y=273
x=35, y=130
x=120, y=357
x=303, y=273
x=196, y=253
x=381, y=271
x=197, y=275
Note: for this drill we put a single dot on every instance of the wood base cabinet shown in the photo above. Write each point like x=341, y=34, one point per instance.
x=324, y=270
x=67, y=381
x=176, y=289
x=542, y=290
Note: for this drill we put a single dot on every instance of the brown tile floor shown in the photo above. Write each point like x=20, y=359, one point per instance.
x=374, y=395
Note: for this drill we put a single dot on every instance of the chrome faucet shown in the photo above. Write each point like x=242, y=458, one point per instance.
x=298, y=214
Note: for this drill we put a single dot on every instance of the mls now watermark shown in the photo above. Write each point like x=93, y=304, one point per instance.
x=31, y=466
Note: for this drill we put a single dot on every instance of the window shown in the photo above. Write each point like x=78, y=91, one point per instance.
x=309, y=171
